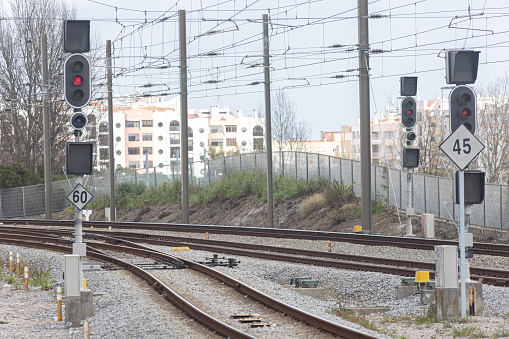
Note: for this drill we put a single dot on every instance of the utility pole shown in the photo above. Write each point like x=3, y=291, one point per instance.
x=183, y=118
x=46, y=130
x=110, y=132
x=362, y=12
x=268, y=132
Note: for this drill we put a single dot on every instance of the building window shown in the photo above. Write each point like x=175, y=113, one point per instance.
x=160, y=138
x=117, y=125
x=231, y=142
x=160, y=124
x=119, y=152
x=174, y=138
x=174, y=151
x=231, y=129
x=132, y=123
x=214, y=129
x=119, y=139
x=217, y=143
x=133, y=137
x=174, y=125
x=190, y=145
x=160, y=151
x=258, y=144
x=147, y=123
x=150, y=164
x=133, y=150
x=147, y=137
x=244, y=143
x=258, y=131
x=104, y=140
x=243, y=129
x=375, y=136
x=103, y=127
x=161, y=164
x=202, y=143
x=133, y=164
x=104, y=154
x=201, y=130
x=147, y=150
x=376, y=148
x=189, y=132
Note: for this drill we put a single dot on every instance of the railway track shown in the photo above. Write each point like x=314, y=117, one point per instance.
x=364, y=239
x=98, y=250
x=337, y=260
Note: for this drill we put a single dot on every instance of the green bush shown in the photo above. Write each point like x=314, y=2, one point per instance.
x=377, y=207
x=337, y=193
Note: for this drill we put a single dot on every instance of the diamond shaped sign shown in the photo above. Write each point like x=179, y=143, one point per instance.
x=79, y=196
x=462, y=147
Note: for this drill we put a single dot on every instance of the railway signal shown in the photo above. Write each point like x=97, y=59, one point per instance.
x=462, y=109
x=408, y=112
x=77, y=80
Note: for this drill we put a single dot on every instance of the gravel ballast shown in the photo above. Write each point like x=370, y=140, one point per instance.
x=127, y=307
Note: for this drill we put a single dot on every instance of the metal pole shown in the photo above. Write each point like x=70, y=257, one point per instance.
x=462, y=244
x=409, y=209
x=268, y=133
x=110, y=132
x=146, y=166
x=501, y=211
x=438, y=193
x=362, y=10
x=318, y=161
x=46, y=129
x=283, y=163
x=183, y=117
x=296, y=173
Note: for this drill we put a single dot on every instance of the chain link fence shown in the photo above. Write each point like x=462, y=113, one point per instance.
x=430, y=194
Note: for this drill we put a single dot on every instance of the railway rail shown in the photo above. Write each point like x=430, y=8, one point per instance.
x=364, y=239
x=54, y=242
x=337, y=260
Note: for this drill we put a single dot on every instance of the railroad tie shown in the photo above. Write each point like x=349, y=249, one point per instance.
x=260, y=324
x=248, y=315
x=250, y=320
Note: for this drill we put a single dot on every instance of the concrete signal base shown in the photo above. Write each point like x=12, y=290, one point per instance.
x=79, y=308
x=449, y=304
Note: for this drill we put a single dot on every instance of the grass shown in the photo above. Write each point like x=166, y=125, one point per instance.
x=236, y=185
x=430, y=317
x=311, y=204
x=355, y=318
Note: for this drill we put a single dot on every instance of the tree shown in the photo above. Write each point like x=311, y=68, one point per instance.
x=21, y=79
x=430, y=134
x=492, y=129
x=287, y=130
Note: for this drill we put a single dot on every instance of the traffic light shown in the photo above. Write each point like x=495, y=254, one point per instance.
x=79, y=120
x=77, y=81
x=408, y=86
x=461, y=66
x=410, y=137
x=78, y=158
x=410, y=157
x=408, y=112
x=474, y=187
x=462, y=109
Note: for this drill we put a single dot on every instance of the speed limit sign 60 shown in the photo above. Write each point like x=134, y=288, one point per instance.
x=79, y=196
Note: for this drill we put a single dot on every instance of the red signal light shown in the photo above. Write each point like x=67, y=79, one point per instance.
x=409, y=112
x=464, y=113
x=77, y=80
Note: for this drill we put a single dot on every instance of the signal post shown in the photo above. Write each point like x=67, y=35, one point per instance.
x=462, y=147
x=408, y=88
x=78, y=162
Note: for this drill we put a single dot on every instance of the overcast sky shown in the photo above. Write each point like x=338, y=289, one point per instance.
x=225, y=49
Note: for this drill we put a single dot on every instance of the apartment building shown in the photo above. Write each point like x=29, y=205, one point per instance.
x=149, y=130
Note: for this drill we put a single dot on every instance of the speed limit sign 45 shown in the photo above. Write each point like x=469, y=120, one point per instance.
x=79, y=196
x=462, y=147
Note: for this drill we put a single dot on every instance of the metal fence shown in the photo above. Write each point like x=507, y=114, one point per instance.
x=430, y=194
